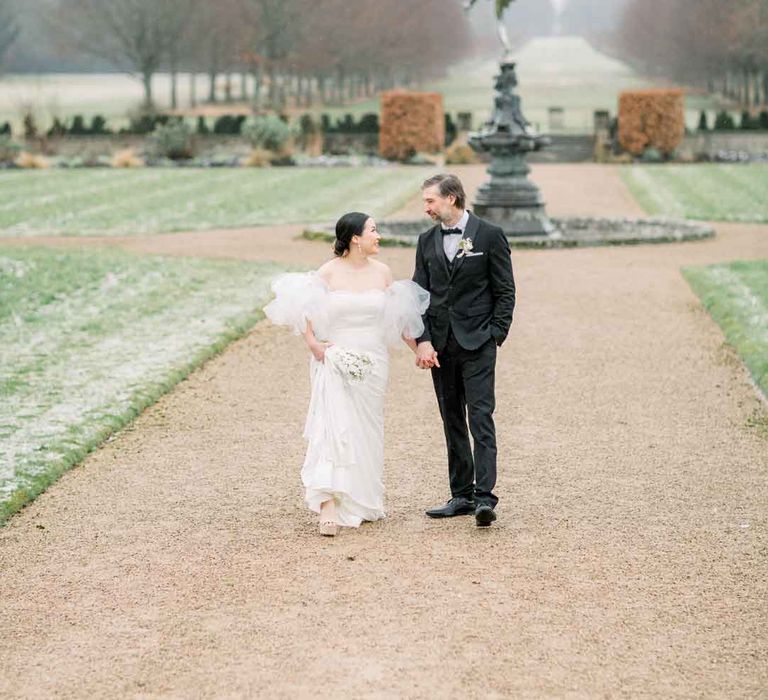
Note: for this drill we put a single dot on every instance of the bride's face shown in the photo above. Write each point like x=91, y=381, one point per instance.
x=369, y=238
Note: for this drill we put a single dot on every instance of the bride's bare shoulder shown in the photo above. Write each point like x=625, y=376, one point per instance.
x=326, y=270
x=383, y=270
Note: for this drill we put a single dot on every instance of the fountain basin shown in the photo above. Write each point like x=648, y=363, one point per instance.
x=567, y=233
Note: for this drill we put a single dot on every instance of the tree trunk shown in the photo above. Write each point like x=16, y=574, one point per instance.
x=745, y=87
x=244, y=86
x=321, y=88
x=193, y=89
x=146, y=79
x=174, y=84
x=272, y=93
x=340, y=86
x=212, y=75
x=257, y=89
x=765, y=89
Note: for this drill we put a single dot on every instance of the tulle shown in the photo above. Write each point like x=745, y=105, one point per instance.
x=299, y=297
x=406, y=303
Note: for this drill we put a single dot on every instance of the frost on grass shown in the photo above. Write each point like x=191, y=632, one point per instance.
x=80, y=361
x=151, y=201
x=736, y=295
x=751, y=309
x=710, y=192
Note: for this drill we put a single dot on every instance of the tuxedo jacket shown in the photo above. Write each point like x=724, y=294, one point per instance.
x=475, y=296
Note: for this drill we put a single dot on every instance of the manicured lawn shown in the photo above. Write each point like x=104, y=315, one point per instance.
x=144, y=201
x=90, y=338
x=736, y=295
x=709, y=192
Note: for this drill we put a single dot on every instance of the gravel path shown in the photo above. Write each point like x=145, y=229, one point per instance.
x=629, y=557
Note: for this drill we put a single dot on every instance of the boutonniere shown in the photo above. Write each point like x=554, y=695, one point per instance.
x=465, y=246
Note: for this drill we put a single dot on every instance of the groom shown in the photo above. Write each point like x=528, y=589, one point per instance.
x=464, y=262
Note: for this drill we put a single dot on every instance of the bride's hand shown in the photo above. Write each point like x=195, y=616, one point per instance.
x=318, y=350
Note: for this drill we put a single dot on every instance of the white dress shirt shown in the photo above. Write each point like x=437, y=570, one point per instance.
x=451, y=241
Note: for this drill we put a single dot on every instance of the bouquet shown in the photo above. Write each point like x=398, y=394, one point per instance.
x=355, y=364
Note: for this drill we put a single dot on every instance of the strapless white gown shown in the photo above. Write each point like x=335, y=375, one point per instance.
x=345, y=421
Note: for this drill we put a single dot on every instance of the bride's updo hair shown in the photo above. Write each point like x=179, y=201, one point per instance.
x=351, y=224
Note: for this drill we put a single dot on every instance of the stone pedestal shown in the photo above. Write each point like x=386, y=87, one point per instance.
x=511, y=200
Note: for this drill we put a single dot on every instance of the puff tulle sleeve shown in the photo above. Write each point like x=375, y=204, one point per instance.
x=406, y=303
x=299, y=297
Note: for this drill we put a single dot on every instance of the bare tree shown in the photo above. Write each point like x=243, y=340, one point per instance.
x=717, y=43
x=132, y=34
x=180, y=21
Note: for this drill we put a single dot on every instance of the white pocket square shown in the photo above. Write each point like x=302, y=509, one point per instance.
x=471, y=254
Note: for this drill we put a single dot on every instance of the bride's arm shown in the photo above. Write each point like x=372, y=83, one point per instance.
x=316, y=347
x=410, y=342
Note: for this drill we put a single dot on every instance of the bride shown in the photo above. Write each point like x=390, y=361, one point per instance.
x=348, y=311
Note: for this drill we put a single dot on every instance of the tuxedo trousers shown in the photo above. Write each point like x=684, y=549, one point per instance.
x=465, y=385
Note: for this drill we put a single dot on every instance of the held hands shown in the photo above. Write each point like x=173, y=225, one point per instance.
x=318, y=350
x=426, y=356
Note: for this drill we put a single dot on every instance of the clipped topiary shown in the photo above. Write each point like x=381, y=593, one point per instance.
x=99, y=125
x=172, y=140
x=724, y=122
x=268, y=132
x=651, y=118
x=411, y=122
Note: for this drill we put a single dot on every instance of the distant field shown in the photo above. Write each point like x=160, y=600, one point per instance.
x=736, y=295
x=710, y=192
x=553, y=72
x=144, y=201
x=91, y=338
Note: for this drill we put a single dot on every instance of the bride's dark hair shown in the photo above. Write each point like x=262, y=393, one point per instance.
x=351, y=224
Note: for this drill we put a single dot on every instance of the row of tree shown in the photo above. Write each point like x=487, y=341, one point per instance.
x=719, y=44
x=285, y=52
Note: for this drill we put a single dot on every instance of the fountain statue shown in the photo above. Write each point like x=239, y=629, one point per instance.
x=509, y=199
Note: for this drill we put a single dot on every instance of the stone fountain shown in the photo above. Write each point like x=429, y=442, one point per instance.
x=512, y=201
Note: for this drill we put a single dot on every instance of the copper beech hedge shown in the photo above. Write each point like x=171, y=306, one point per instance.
x=651, y=119
x=411, y=122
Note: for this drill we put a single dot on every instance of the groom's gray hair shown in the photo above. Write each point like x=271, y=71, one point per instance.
x=449, y=184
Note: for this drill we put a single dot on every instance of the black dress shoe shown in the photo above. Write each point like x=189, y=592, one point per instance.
x=456, y=506
x=484, y=515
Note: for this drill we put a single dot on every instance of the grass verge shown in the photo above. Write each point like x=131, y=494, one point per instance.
x=91, y=338
x=736, y=296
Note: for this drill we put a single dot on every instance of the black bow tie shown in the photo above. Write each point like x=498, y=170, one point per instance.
x=449, y=231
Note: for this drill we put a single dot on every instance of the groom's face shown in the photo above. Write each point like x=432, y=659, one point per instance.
x=436, y=206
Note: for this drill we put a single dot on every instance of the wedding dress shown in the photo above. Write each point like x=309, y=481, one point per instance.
x=345, y=421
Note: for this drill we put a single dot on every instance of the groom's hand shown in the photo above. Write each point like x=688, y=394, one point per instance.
x=426, y=355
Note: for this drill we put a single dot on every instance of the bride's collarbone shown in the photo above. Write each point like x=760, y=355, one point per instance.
x=356, y=283
x=343, y=277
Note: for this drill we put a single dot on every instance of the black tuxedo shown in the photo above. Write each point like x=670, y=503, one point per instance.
x=469, y=315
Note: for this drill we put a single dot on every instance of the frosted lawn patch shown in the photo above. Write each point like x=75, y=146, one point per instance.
x=147, y=201
x=90, y=338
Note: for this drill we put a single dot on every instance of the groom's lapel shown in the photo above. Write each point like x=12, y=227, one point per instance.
x=437, y=234
x=469, y=232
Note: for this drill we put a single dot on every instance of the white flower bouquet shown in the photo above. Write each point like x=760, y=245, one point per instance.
x=355, y=364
